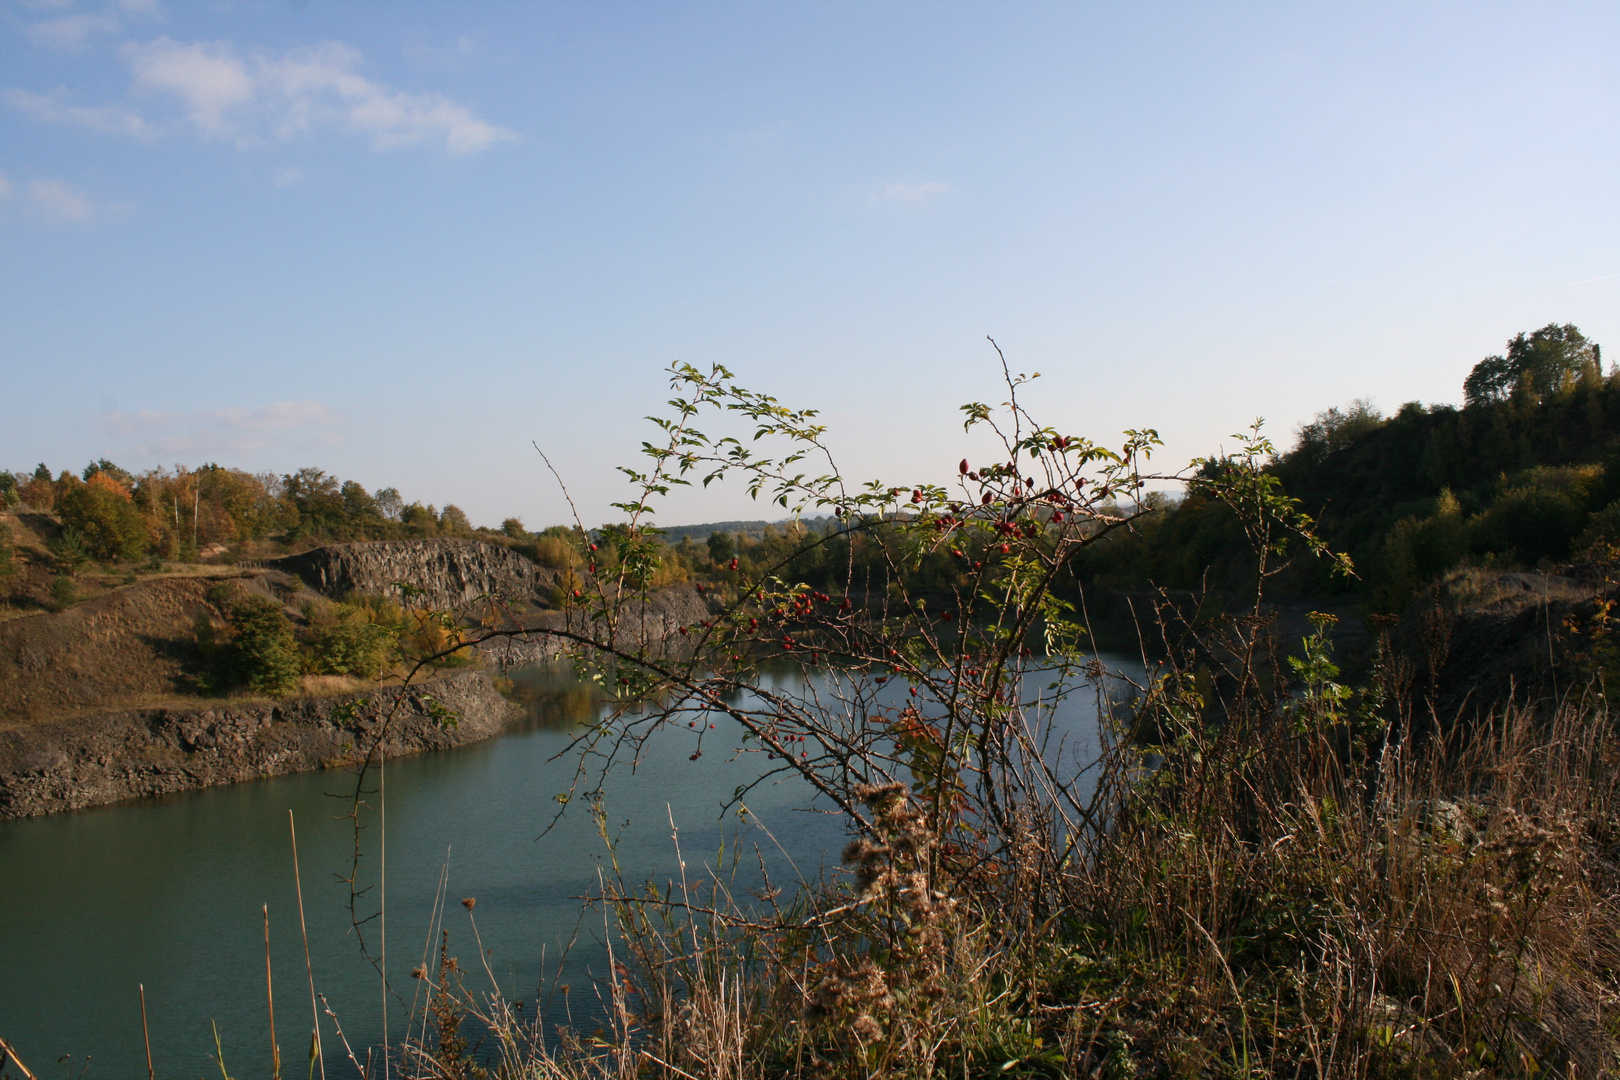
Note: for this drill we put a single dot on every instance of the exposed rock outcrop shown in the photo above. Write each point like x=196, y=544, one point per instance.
x=450, y=573
x=94, y=760
x=652, y=624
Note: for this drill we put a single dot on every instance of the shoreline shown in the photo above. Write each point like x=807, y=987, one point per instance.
x=131, y=754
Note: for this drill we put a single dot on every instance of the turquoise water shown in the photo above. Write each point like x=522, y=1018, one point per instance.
x=170, y=893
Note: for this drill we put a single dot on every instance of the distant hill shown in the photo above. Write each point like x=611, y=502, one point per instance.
x=752, y=530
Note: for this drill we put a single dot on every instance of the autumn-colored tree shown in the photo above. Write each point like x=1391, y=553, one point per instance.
x=40, y=491
x=122, y=477
x=104, y=515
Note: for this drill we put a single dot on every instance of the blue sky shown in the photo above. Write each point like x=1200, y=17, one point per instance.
x=402, y=241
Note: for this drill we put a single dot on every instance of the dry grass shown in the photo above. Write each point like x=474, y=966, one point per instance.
x=1255, y=897
x=1265, y=874
x=328, y=685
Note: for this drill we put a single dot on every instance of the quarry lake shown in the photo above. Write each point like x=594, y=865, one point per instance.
x=169, y=893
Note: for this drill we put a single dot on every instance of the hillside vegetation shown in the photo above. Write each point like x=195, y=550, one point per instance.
x=1525, y=475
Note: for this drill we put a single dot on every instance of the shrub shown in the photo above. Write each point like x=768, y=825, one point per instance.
x=426, y=635
x=62, y=593
x=1538, y=515
x=346, y=640
x=70, y=551
x=257, y=651
x=1602, y=529
x=555, y=548
x=1418, y=550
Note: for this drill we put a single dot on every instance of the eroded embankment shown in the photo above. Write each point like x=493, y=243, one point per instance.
x=107, y=758
x=98, y=703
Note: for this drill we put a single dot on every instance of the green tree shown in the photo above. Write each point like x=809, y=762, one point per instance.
x=1542, y=362
x=1538, y=514
x=70, y=551
x=454, y=521
x=318, y=500
x=360, y=510
x=346, y=640
x=420, y=520
x=123, y=477
x=722, y=548
x=62, y=592
x=1336, y=429
x=260, y=652
x=513, y=527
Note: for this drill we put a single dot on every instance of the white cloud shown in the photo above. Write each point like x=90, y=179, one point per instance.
x=288, y=177
x=912, y=192
x=208, y=79
x=58, y=202
x=252, y=99
x=112, y=119
x=54, y=201
x=71, y=32
x=160, y=434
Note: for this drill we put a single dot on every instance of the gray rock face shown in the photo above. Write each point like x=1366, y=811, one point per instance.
x=450, y=573
x=91, y=761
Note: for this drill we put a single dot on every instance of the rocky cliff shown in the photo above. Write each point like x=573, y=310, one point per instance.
x=93, y=760
x=449, y=573
x=652, y=624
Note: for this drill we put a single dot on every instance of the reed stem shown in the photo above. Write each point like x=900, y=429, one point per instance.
x=303, y=928
x=146, y=1036
x=270, y=997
